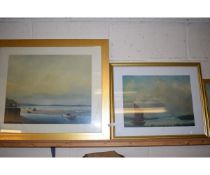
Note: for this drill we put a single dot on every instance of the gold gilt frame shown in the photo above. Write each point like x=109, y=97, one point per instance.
x=36, y=138
x=156, y=138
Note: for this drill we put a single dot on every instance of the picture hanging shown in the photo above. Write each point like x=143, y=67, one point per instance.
x=54, y=87
x=157, y=100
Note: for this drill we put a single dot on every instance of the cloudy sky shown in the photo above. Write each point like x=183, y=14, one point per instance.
x=170, y=92
x=50, y=79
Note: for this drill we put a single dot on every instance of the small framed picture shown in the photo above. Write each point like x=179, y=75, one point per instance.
x=157, y=100
x=54, y=89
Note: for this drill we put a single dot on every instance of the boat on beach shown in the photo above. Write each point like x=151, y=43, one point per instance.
x=69, y=116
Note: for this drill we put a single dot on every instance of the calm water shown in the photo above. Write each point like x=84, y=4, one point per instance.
x=167, y=121
x=56, y=114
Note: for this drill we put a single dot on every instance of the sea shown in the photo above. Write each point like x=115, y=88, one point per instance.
x=55, y=114
x=165, y=121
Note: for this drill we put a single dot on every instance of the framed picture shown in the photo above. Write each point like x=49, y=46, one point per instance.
x=157, y=100
x=207, y=96
x=54, y=89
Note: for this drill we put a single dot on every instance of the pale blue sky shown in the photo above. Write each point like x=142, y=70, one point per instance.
x=50, y=79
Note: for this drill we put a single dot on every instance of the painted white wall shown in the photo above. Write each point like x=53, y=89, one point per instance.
x=130, y=40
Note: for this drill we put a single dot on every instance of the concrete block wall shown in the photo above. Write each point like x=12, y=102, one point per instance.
x=133, y=39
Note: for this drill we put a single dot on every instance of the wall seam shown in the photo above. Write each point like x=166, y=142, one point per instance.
x=187, y=40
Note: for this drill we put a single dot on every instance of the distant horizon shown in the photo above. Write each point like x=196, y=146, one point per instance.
x=48, y=104
x=51, y=104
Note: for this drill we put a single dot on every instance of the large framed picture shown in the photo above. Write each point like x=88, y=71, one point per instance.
x=157, y=100
x=207, y=96
x=54, y=89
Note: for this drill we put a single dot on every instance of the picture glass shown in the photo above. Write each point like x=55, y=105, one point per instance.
x=157, y=101
x=48, y=89
x=51, y=90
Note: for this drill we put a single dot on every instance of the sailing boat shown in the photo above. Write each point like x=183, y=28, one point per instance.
x=138, y=117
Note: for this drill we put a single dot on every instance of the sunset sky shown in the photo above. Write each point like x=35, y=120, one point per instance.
x=50, y=79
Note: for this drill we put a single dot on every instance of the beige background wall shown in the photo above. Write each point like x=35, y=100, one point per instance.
x=130, y=40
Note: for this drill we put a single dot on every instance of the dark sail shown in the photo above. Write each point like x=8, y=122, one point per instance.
x=138, y=117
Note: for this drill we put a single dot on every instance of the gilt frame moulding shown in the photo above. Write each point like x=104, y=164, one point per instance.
x=56, y=53
x=145, y=78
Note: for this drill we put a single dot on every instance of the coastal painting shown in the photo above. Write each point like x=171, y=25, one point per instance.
x=208, y=95
x=48, y=89
x=157, y=101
